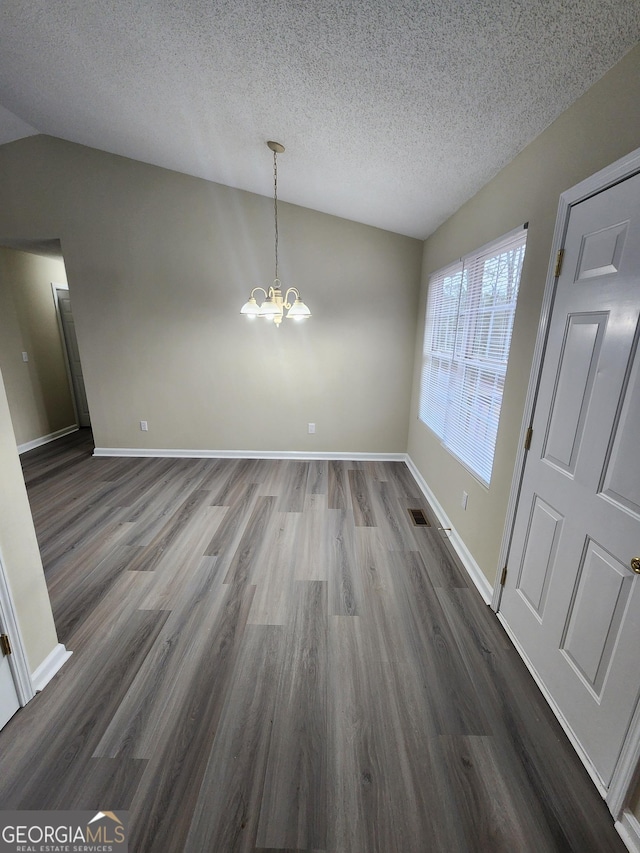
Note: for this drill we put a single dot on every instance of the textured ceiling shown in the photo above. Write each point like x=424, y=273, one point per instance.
x=393, y=113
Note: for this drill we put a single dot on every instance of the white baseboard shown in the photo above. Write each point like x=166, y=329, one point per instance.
x=246, y=454
x=628, y=828
x=45, y=439
x=466, y=557
x=49, y=666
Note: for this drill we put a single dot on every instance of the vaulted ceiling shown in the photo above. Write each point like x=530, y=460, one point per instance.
x=392, y=113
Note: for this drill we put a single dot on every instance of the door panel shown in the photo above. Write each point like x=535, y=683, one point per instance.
x=571, y=598
x=601, y=251
x=539, y=554
x=603, y=588
x=621, y=475
x=574, y=383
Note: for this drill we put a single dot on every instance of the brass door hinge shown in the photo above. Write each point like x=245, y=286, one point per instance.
x=503, y=576
x=527, y=438
x=559, y=259
x=5, y=645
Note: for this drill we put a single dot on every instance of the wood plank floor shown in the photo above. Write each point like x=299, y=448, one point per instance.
x=270, y=656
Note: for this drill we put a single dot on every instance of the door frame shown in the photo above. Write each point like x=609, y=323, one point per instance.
x=627, y=771
x=55, y=286
x=18, y=662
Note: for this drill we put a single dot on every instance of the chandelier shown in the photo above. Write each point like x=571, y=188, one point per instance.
x=275, y=304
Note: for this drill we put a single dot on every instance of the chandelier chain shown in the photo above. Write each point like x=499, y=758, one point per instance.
x=275, y=203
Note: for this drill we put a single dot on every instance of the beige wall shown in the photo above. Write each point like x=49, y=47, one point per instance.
x=38, y=390
x=159, y=265
x=598, y=129
x=19, y=549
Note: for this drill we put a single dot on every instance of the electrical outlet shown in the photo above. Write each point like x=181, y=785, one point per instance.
x=463, y=502
x=312, y=429
x=144, y=426
x=25, y=356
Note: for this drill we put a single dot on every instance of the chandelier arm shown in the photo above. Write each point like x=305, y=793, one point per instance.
x=286, y=302
x=251, y=296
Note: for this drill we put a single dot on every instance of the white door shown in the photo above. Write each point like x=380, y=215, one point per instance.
x=73, y=354
x=572, y=599
x=9, y=703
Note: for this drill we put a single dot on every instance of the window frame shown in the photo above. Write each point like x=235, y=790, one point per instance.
x=462, y=374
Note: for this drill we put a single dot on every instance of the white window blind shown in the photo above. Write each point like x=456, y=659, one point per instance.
x=469, y=320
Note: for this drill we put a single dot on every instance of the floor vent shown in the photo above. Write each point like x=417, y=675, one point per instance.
x=418, y=517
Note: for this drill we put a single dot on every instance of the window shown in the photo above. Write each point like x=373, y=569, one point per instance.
x=470, y=310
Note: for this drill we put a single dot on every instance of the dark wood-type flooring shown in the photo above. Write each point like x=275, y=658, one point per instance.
x=269, y=656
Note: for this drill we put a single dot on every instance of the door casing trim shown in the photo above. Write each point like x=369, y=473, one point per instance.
x=55, y=287
x=18, y=662
x=627, y=772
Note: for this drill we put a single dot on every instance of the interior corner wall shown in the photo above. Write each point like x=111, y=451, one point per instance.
x=19, y=549
x=38, y=390
x=159, y=264
x=596, y=130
